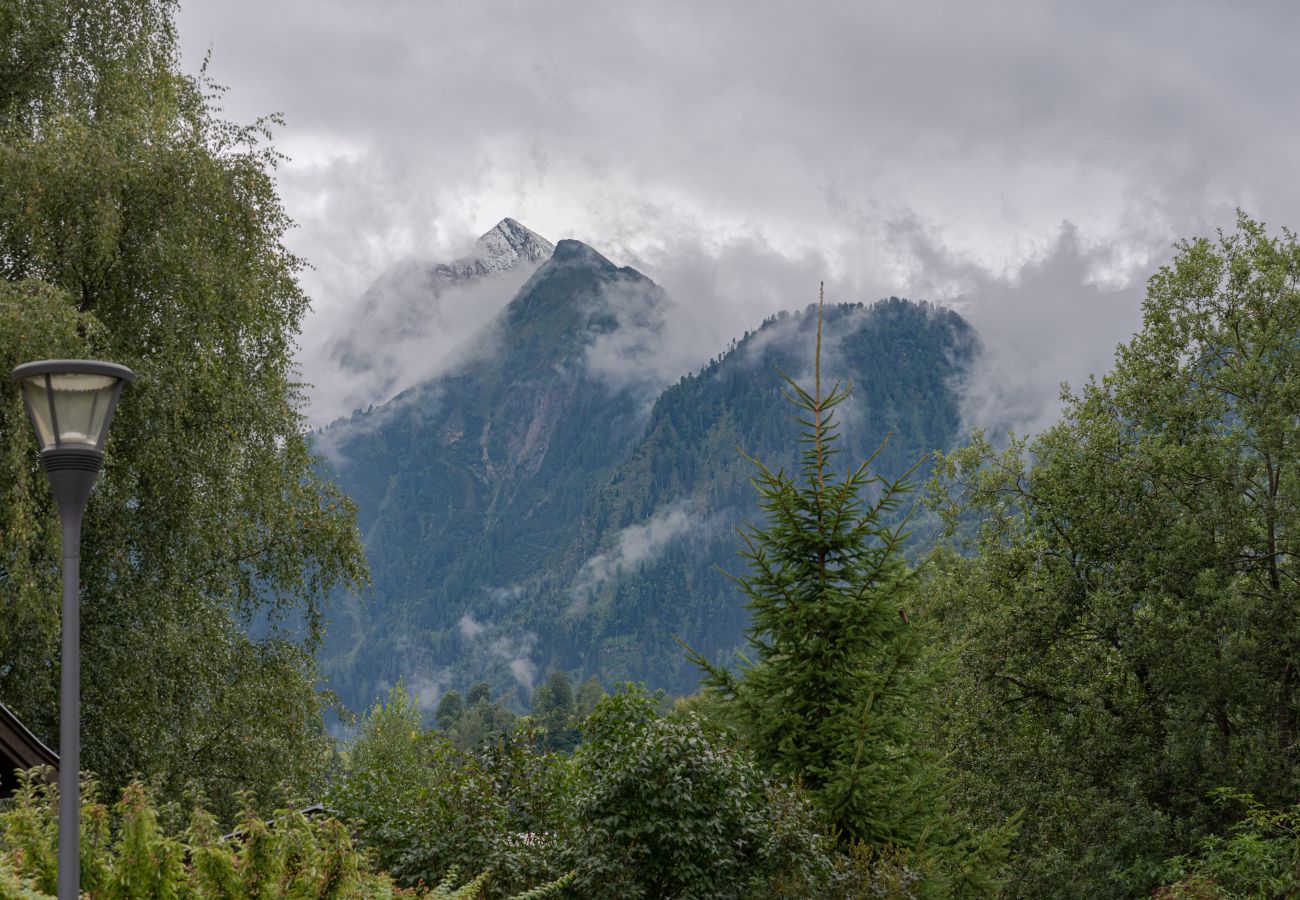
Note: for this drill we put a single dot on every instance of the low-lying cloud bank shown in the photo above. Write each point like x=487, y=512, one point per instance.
x=1054, y=318
x=636, y=544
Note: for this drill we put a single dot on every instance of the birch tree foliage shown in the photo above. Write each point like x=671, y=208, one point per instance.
x=138, y=226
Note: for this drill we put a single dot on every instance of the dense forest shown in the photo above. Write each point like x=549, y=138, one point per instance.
x=1082, y=684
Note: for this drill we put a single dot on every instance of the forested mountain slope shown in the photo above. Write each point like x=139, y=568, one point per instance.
x=525, y=513
x=648, y=558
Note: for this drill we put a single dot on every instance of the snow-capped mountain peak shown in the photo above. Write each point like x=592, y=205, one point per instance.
x=510, y=242
x=507, y=245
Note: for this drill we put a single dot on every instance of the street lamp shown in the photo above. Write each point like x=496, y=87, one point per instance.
x=71, y=404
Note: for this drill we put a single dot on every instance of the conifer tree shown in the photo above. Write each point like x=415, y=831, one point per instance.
x=836, y=693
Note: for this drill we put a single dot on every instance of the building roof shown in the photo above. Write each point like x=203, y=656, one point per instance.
x=20, y=749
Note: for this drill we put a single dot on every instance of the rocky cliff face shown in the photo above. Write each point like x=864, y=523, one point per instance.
x=507, y=245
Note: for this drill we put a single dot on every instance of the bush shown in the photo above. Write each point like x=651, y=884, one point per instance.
x=664, y=808
x=126, y=855
x=649, y=806
x=425, y=807
x=1260, y=856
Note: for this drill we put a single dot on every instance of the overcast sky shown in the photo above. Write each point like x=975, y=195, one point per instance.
x=1027, y=162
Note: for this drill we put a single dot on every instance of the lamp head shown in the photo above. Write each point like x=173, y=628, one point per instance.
x=71, y=402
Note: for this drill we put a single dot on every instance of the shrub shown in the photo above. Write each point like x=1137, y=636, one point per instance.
x=1259, y=857
x=127, y=855
x=425, y=807
x=664, y=808
x=649, y=806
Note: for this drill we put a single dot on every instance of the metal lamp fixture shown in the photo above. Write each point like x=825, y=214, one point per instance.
x=71, y=403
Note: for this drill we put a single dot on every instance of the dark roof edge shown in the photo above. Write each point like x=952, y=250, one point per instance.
x=25, y=747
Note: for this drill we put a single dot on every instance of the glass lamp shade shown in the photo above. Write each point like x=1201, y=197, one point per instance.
x=71, y=402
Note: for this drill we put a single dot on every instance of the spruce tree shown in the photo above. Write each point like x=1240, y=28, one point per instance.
x=835, y=693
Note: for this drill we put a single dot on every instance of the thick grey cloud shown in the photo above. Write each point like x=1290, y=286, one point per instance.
x=1024, y=160
x=1049, y=325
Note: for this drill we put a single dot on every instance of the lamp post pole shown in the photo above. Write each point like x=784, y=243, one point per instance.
x=71, y=488
x=70, y=714
x=71, y=405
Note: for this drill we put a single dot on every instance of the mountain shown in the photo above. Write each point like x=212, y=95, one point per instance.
x=657, y=538
x=404, y=317
x=524, y=513
x=468, y=482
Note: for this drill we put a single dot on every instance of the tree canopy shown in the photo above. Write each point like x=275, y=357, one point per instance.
x=136, y=225
x=1125, y=608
